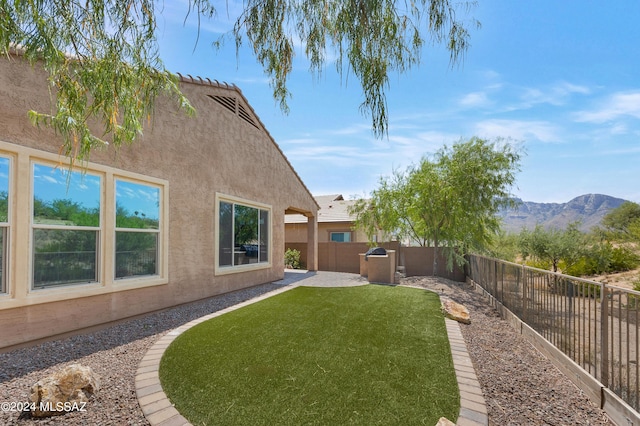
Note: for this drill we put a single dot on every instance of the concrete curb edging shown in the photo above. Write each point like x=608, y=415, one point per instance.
x=473, y=409
x=159, y=411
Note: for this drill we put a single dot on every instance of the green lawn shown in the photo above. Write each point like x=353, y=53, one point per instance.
x=328, y=356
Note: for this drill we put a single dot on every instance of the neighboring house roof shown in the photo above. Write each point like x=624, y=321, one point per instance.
x=333, y=208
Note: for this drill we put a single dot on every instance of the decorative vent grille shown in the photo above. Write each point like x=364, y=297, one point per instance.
x=230, y=103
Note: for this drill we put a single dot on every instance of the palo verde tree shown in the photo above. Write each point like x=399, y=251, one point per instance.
x=553, y=245
x=450, y=200
x=623, y=222
x=103, y=64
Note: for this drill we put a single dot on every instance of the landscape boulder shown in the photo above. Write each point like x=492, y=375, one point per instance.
x=456, y=311
x=66, y=390
x=443, y=421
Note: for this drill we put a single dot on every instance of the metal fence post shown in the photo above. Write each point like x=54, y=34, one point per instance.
x=604, y=335
x=523, y=276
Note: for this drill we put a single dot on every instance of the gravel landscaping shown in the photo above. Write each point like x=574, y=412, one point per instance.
x=521, y=387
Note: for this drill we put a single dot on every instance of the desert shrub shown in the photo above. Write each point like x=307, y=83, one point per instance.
x=292, y=259
x=623, y=259
x=504, y=246
x=585, y=266
x=539, y=263
x=634, y=301
x=603, y=259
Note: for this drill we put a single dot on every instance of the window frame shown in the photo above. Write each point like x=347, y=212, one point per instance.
x=19, y=241
x=157, y=231
x=231, y=269
x=6, y=229
x=98, y=230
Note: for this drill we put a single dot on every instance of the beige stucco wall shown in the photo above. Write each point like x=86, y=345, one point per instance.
x=297, y=232
x=214, y=152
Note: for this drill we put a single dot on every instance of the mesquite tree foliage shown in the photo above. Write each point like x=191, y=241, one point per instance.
x=103, y=65
x=450, y=200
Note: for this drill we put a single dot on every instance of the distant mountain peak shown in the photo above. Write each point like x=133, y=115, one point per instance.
x=589, y=209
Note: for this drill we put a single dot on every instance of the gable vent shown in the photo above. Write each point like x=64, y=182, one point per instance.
x=231, y=103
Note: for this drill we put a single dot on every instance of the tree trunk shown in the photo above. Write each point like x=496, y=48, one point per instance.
x=435, y=257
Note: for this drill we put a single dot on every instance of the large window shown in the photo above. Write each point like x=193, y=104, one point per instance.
x=4, y=220
x=243, y=234
x=68, y=233
x=137, y=229
x=66, y=226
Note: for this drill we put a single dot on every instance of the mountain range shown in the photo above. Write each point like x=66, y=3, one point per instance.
x=588, y=209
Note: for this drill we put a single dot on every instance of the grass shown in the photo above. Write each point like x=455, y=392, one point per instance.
x=355, y=355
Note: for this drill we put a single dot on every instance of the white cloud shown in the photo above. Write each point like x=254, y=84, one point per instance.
x=557, y=94
x=352, y=130
x=619, y=129
x=324, y=152
x=617, y=106
x=519, y=130
x=568, y=88
x=48, y=179
x=298, y=141
x=475, y=100
x=257, y=80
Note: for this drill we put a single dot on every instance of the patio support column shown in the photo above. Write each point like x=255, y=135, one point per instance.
x=312, y=243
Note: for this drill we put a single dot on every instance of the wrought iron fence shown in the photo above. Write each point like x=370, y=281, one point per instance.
x=52, y=269
x=595, y=324
x=136, y=262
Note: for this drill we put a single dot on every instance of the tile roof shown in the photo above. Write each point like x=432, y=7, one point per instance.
x=333, y=208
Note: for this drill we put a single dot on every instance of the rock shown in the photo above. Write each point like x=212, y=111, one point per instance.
x=456, y=311
x=443, y=421
x=66, y=390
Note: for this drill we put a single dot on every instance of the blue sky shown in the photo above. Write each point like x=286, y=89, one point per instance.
x=561, y=78
x=51, y=184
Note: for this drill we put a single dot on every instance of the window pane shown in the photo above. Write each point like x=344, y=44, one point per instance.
x=264, y=236
x=136, y=254
x=245, y=235
x=63, y=257
x=137, y=205
x=63, y=198
x=225, y=232
x=341, y=237
x=4, y=189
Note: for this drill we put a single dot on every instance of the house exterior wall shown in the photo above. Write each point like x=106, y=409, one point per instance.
x=194, y=160
x=297, y=232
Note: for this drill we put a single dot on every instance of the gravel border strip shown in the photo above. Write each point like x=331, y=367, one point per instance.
x=520, y=385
